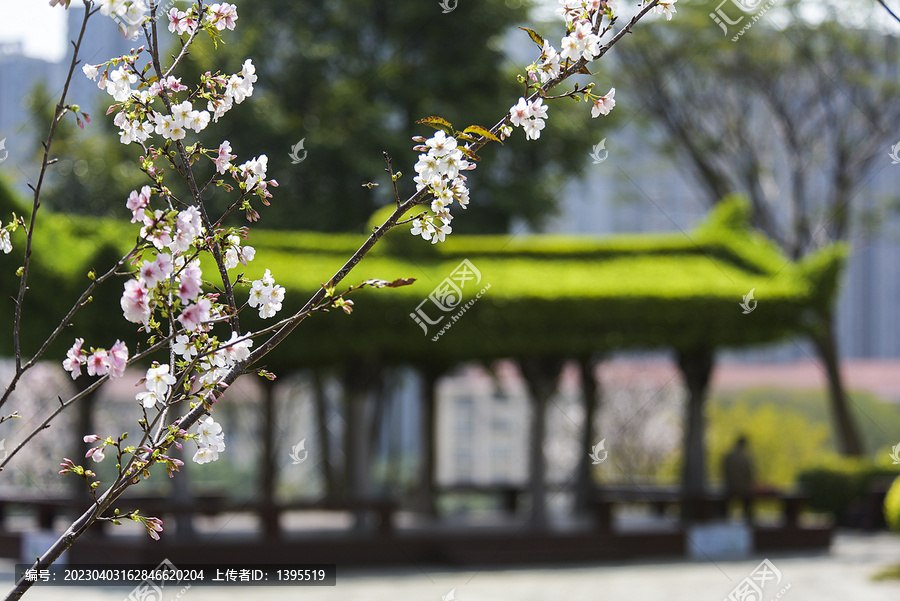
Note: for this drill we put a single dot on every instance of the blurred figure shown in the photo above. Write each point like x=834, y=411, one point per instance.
x=738, y=472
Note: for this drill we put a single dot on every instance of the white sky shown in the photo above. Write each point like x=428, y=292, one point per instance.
x=40, y=27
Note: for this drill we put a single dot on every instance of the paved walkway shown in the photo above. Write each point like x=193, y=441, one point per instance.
x=843, y=575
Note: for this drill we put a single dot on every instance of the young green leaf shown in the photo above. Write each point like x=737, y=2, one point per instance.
x=535, y=36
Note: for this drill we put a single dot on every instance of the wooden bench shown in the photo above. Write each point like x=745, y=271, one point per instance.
x=709, y=507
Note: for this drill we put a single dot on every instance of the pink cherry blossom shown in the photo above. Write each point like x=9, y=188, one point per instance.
x=135, y=302
x=222, y=16
x=150, y=273
x=520, y=112
x=75, y=358
x=223, y=161
x=194, y=315
x=117, y=359
x=604, y=104
x=190, y=282
x=96, y=363
x=138, y=201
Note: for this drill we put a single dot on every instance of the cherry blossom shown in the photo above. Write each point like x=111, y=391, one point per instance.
x=223, y=160
x=158, y=380
x=190, y=282
x=181, y=22
x=666, y=7
x=235, y=253
x=530, y=115
x=266, y=295
x=222, y=16
x=97, y=362
x=75, y=358
x=520, y=112
x=137, y=202
x=205, y=455
x=237, y=348
x=604, y=104
x=118, y=84
x=5, y=241
x=184, y=347
x=96, y=453
x=254, y=170
x=117, y=359
x=549, y=67
x=195, y=315
x=533, y=128
x=210, y=441
x=91, y=71
x=135, y=302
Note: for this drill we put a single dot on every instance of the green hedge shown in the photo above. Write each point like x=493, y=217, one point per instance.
x=844, y=487
x=549, y=294
x=892, y=506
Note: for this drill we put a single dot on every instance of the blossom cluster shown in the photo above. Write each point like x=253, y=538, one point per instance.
x=581, y=42
x=266, y=295
x=137, y=119
x=169, y=272
x=214, y=366
x=98, y=362
x=129, y=14
x=439, y=170
x=167, y=286
x=95, y=453
x=210, y=441
x=530, y=116
x=220, y=16
x=158, y=381
x=235, y=253
x=666, y=7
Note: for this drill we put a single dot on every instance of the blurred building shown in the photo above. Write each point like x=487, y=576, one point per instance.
x=635, y=191
x=482, y=430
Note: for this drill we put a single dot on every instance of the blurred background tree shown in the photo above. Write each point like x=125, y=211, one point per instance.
x=349, y=79
x=794, y=118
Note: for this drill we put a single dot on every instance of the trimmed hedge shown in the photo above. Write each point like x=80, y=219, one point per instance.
x=558, y=295
x=892, y=506
x=845, y=489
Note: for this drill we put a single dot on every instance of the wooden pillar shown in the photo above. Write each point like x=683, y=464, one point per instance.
x=584, y=483
x=696, y=367
x=359, y=378
x=541, y=375
x=268, y=509
x=182, y=498
x=428, y=440
x=321, y=408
